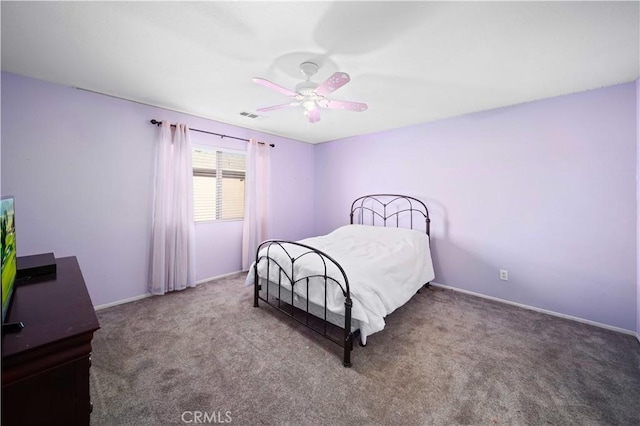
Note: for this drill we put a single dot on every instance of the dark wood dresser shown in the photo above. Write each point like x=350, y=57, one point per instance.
x=45, y=366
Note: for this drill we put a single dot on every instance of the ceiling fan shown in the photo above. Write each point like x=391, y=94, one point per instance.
x=310, y=95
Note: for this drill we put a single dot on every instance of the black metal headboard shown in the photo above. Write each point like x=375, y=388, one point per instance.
x=398, y=208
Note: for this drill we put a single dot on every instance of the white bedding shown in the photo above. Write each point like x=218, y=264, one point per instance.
x=385, y=267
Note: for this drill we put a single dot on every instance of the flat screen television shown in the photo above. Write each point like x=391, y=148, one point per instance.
x=9, y=253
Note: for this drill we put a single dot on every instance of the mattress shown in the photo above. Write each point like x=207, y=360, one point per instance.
x=384, y=266
x=280, y=292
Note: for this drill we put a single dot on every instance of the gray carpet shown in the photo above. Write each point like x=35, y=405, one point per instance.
x=444, y=358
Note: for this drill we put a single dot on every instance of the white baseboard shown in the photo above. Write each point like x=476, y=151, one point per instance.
x=120, y=302
x=544, y=311
x=217, y=277
x=144, y=296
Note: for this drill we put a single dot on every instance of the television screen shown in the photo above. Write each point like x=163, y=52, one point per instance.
x=8, y=247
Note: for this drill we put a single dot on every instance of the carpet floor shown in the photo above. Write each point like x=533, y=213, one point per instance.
x=206, y=355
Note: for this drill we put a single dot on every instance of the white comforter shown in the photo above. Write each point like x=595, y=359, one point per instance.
x=385, y=267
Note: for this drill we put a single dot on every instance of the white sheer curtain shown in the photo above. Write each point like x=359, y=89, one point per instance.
x=172, y=239
x=256, y=200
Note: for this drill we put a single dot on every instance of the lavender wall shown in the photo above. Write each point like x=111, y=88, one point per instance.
x=544, y=189
x=80, y=166
x=638, y=200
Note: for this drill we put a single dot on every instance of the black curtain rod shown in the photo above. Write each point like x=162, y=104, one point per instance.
x=158, y=123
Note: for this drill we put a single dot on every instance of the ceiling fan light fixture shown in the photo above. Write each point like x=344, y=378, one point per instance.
x=309, y=104
x=311, y=95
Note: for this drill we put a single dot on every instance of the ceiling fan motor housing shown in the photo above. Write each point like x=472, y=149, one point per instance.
x=306, y=87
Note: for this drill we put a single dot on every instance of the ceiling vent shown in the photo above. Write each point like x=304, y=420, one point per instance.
x=250, y=115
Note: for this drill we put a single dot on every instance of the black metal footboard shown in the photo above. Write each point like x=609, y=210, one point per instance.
x=278, y=258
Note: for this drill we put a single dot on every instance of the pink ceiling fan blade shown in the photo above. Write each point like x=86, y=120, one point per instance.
x=314, y=115
x=333, y=83
x=346, y=105
x=273, y=86
x=271, y=108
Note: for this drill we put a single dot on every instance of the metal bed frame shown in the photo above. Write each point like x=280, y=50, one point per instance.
x=367, y=210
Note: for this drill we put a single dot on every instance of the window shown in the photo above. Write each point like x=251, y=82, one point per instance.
x=218, y=184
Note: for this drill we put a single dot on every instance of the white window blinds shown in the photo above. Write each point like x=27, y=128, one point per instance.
x=218, y=185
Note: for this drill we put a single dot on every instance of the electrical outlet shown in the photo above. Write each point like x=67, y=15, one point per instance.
x=504, y=275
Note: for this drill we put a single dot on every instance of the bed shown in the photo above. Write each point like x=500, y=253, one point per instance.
x=342, y=285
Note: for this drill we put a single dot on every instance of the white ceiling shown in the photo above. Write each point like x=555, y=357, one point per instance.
x=411, y=62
